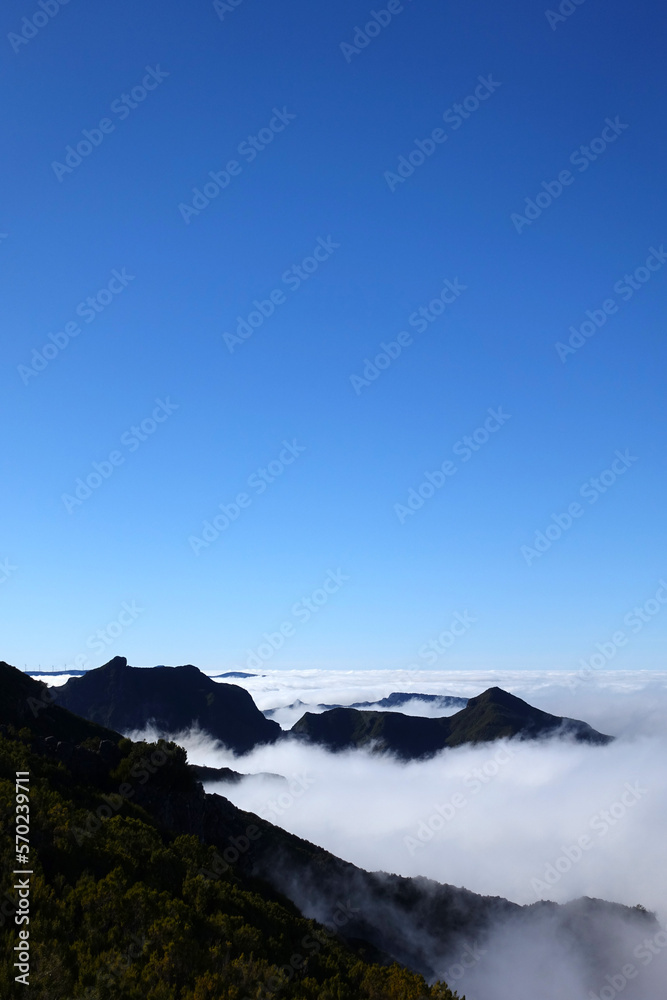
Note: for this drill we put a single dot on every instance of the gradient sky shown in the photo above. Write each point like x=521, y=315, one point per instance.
x=71, y=568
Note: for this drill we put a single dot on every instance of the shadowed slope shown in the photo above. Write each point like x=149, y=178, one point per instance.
x=490, y=716
x=172, y=699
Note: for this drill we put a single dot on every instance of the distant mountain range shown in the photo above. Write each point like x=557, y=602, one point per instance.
x=174, y=699
x=130, y=848
x=493, y=715
x=395, y=700
x=398, y=698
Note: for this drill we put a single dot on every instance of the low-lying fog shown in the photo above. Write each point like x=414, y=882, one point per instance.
x=524, y=820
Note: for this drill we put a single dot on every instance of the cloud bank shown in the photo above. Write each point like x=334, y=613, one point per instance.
x=551, y=820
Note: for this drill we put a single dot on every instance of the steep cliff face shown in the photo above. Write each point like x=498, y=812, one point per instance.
x=172, y=699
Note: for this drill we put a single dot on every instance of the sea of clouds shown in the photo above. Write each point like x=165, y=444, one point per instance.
x=549, y=819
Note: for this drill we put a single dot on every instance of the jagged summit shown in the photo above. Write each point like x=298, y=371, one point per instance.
x=172, y=699
x=29, y=704
x=117, y=663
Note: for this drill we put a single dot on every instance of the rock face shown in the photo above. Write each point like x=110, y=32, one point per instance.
x=490, y=716
x=170, y=698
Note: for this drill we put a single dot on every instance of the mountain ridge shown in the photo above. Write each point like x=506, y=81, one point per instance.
x=173, y=699
x=493, y=714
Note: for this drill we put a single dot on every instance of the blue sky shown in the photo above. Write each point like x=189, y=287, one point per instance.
x=314, y=211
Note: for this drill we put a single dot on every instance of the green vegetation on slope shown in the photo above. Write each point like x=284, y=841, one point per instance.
x=120, y=910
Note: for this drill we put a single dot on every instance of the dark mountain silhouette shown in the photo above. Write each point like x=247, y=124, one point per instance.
x=226, y=774
x=270, y=712
x=163, y=816
x=393, y=700
x=490, y=716
x=27, y=703
x=237, y=673
x=172, y=699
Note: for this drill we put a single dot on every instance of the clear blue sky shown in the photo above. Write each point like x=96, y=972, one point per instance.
x=386, y=246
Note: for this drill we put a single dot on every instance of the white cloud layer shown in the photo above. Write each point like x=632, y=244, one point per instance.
x=552, y=819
